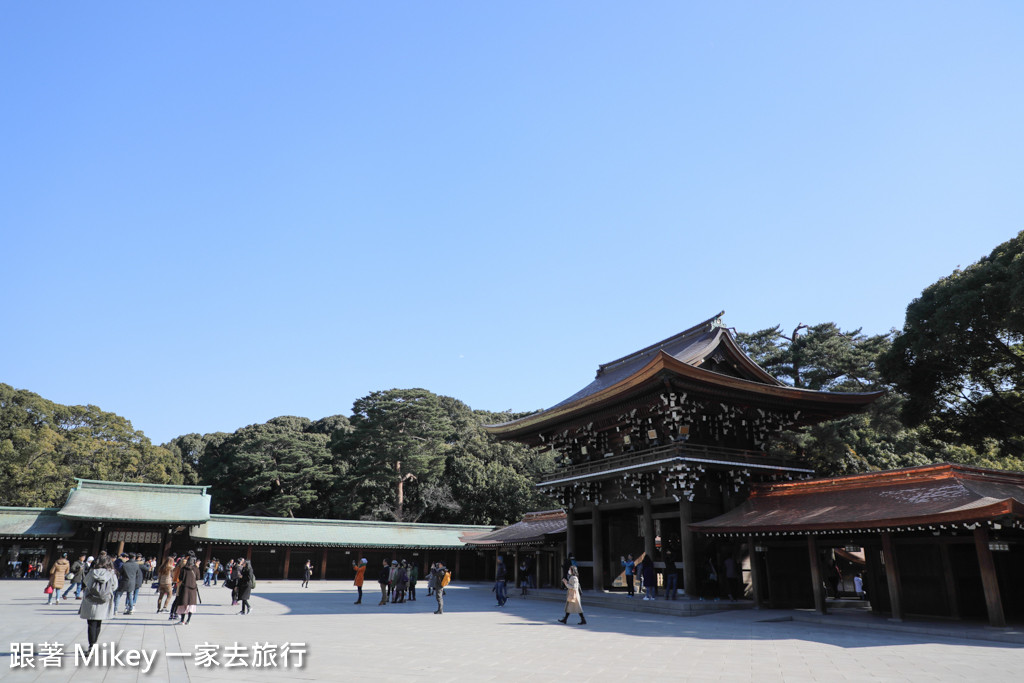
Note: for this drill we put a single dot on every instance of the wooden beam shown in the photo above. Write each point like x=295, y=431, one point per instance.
x=287, y=561
x=97, y=542
x=819, y=588
x=323, y=564
x=989, y=578
x=570, y=531
x=892, y=577
x=686, y=536
x=648, y=529
x=756, y=575
x=597, y=538
x=951, y=592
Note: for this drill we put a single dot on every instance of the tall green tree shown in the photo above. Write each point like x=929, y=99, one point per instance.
x=398, y=443
x=824, y=358
x=280, y=466
x=959, y=358
x=492, y=480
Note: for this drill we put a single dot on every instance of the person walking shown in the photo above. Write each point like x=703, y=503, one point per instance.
x=188, y=590
x=524, y=576
x=573, y=605
x=649, y=576
x=98, y=603
x=441, y=578
x=208, y=574
x=236, y=572
x=307, y=573
x=671, y=577
x=246, y=582
x=500, y=574
x=75, y=578
x=629, y=568
x=360, y=570
x=131, y=581
x=164, y=577
x=393, y=579
x=414, y=575
x=401, y=582
x=58, y=571
x=384, y=578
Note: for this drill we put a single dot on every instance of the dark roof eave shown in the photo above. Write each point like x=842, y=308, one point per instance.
x=976, y=515
x=845, y=402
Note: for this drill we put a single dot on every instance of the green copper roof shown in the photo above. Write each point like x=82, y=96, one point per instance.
x=129, y=502
x=332, y=532
x=34, y=523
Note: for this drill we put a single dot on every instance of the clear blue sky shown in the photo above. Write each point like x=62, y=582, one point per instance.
x=215, y=213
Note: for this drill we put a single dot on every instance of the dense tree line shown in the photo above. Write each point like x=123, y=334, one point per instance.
x=953, y=377
x=403, y=455
x=45, y=445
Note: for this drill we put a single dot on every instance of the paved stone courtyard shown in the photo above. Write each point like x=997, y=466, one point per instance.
x=477, y=641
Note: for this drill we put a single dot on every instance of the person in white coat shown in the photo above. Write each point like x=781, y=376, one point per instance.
x=572, y=596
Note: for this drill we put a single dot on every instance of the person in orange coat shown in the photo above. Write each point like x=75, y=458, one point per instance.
x=360, y=570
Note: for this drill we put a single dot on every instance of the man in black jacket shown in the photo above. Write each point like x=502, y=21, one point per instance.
x=384, y=579
x=131, y=580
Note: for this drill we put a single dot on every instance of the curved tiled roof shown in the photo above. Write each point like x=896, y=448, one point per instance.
x=134, y=502
x=532, y=529
x=911, y=497
x=684, y=356
x=335, y=532
x=35, y=523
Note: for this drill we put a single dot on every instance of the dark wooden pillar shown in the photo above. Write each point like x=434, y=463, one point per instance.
x=323, y=564
x=648, y=528
x=515, y=568
x=458, y=557
x=208, y=554
x=947, y=571
x=248, y=553
x=689, y=549
x=168, y=537
x=48, y=559
x=287, y=561
x=989, y=579
x=120, y=547
x=597, y=542
x=892, y=577
x=819, y=588
x=97, y=542
x=756, y=575
x=570, y=531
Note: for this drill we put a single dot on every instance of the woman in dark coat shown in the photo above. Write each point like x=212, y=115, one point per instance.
x=650, y=578
x=188, y=590
x=246, y=582
x=307, y=573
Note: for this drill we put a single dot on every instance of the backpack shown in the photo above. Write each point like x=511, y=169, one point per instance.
x=446, y=579
x=99, y=591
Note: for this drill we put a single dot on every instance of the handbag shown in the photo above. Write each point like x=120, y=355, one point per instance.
x=48, y=590
x=69, y=577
